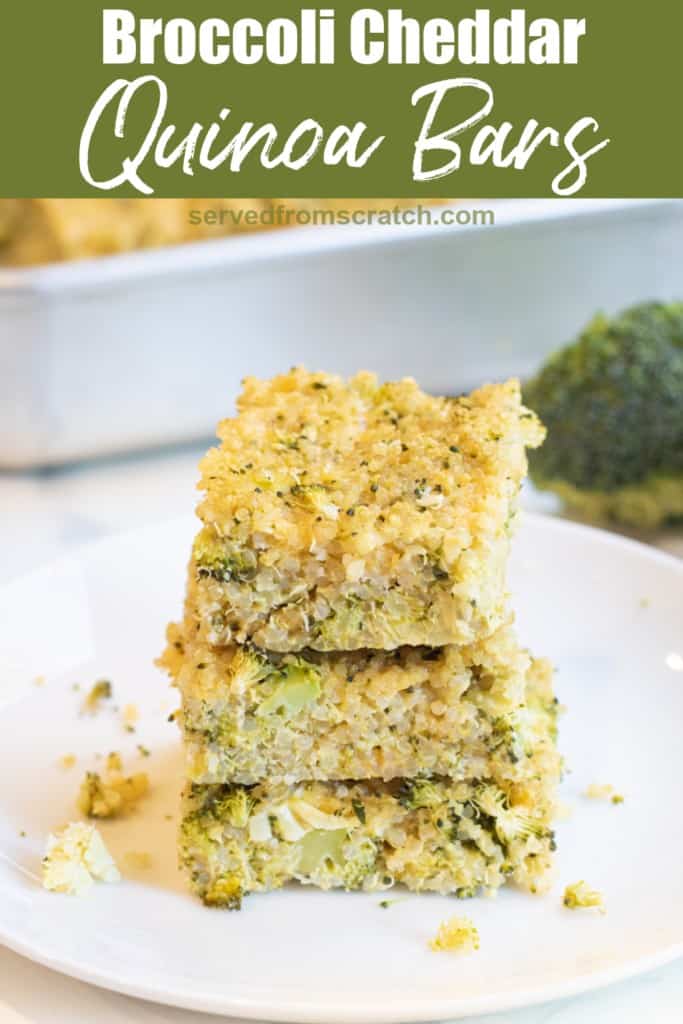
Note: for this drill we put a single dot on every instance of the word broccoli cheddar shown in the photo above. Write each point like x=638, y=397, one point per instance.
x=357, y=709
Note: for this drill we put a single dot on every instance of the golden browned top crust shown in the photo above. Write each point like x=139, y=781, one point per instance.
x=313, y=463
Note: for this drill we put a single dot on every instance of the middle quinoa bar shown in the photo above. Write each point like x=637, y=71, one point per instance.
x=458, y=711
x=341, y=515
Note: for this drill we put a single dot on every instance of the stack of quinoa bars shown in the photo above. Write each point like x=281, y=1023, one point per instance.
x=356, y=708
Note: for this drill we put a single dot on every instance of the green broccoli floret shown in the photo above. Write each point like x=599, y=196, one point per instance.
x=219, y=560
x=613, y=405
x=327, y=854
x=233, y=804
x=320, y=847
x=341, y=628
x=298, y=685
x=418, y=793
x=248, y=668
x=361, y=863
x=224, y=893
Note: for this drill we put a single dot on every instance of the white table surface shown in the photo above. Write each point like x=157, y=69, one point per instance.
x=43, y=516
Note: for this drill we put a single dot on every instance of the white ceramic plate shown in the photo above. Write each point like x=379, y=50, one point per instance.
x=606, y=610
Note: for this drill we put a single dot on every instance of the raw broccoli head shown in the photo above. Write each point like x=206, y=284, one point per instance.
x=613, y=403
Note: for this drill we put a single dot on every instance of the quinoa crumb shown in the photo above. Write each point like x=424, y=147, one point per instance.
x=457, y=935
x=130, y=715
x=580, y=895
x=101, y=691
x=67, y=761
x=597, y=791
x=39, y=681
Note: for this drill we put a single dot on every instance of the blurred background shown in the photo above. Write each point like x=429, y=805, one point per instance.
x=125, y=328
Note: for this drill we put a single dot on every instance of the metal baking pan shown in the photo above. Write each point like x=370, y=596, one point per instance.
x=148, y=348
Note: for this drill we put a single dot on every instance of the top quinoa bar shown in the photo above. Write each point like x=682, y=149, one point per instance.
x=341, y=515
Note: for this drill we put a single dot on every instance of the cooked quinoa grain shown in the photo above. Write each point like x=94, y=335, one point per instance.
x=341, y=515
x=457, y=935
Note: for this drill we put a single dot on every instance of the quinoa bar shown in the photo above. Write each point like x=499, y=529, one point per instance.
x=460, y=837
x=452, y=711
x=341, y=515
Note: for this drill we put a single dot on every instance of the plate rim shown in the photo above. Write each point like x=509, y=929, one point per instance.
x=317, y=1011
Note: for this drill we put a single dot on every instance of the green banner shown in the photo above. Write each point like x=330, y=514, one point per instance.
x=217, y=99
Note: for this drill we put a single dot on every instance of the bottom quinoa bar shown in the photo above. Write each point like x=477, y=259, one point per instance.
x=429, y=833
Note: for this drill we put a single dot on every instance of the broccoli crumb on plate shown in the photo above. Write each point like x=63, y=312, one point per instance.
x=581, y=896
x=114, y=762
x=597, y=791
x=99, y=692
x=111, y=795
x=76, y=857
x=457, y=935
x=613, y=405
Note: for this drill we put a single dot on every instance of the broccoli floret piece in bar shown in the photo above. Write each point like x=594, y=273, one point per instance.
x=613, y=405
